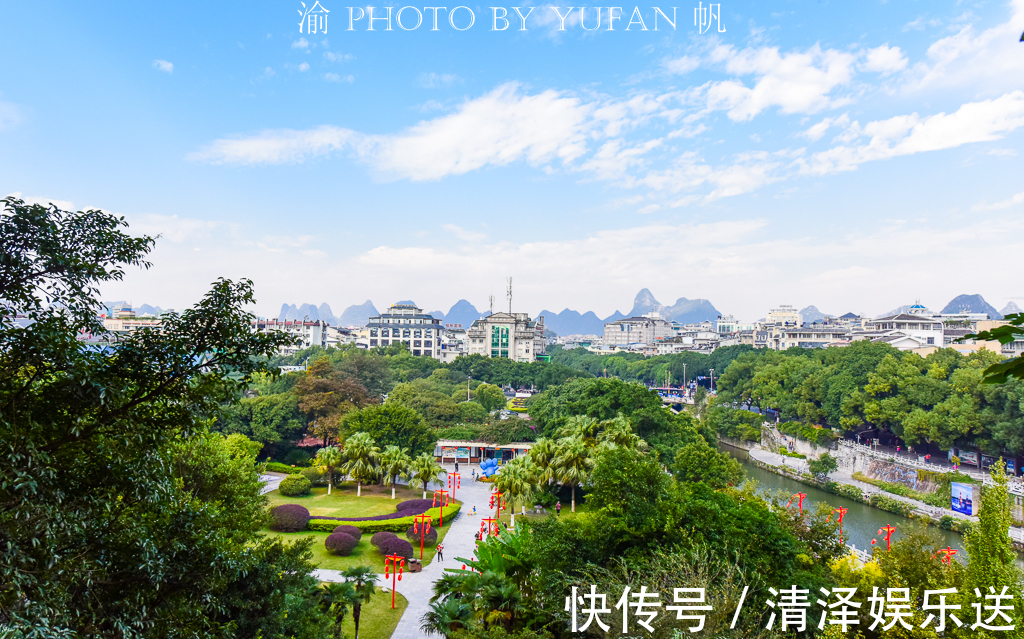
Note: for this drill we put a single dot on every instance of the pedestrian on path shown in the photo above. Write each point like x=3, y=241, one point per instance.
x=558, y=508
x=440, y=552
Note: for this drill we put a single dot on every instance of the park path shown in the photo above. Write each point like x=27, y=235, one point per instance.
x=417, y=588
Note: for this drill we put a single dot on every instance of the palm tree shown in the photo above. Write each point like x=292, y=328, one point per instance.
x=573, y=463
x=395, y=463
x=336, y=599
x=542, y=453
x=363, y=581
x=361, y=455
x=327, y=459
x=518, y=480
x=444, y=617
x=426, y=469
x=619, y=432
x=585, y=427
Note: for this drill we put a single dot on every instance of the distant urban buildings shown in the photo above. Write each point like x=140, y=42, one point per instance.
x=511, y=335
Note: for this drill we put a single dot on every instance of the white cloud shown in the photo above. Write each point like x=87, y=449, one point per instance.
x=990, y=57
x=163, y=65
x=277, y=146
x=795, y=82
x=681, y=65
x=1003, y=152
x=885, y=60
x=743, y=266
x=817, y=131
x=1005, y=204
x=304, y=67
x=301, y=43
x=908, y=134
x=10, y=115
x=438, y=80
x=463, y=234
x=496, y=129
x=338, y=57
x=334, y=77
x=65, y=205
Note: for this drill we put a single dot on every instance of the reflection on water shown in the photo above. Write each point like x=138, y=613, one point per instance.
x=861, y=522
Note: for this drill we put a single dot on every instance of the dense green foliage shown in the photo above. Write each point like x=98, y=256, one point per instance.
x=122, y=516
x=295, y=485
x=938, y=398
x=634, y=367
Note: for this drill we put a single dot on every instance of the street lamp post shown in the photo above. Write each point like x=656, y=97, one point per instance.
x=888, y=530
x=489, y=526
x=421, y=527
x=441, y=496
x=496, y=502
x=454, y=481
x=394, y=564
x=948, y=554
x=712, y=380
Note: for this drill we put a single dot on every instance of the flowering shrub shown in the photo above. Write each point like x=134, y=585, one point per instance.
x=340, y=543
x=351, y=531
x=294, y=486
x=289, y=518
x=378, y=538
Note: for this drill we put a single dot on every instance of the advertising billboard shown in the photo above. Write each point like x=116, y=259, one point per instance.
x=968, y=457
x=964, y=498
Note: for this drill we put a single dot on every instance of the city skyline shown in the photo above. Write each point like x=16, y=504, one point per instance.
x=854, y=159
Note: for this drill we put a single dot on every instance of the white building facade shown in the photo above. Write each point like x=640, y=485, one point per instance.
x=404, y=324
x=511, y=335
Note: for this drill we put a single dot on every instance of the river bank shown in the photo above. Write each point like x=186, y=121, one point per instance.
x=843, y=486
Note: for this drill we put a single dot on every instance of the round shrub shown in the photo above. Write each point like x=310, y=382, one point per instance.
x=294, y=486
x=428, y=540
x=289, y=518
x=351, y=531
x=340, y=543
x=381, y=536
x=314, y=476
x=396, y=546
x=418, y=505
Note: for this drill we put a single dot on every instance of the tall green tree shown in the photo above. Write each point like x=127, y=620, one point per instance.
x=392, y=423
x=426, y=470
x=518, y=480
x=363, y=581
x=327, y=460
x=395, y=463
x=489, y=396
x=362, y=457
x=116, y=515
x=572, y=463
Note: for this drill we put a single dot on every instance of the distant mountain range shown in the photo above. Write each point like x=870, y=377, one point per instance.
x=685, y=311
x=811, y=314
x=1011, y=308
x=960, y=304
x=971, y=304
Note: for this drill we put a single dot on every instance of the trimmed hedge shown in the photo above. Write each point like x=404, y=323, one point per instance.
x=429, y=539
x=419, y=505
x=289, y=518
x=351, y=531
x=399, y=525
x=294, y=486
x=396, y=546
x=381, y=537
x=278, y=467
x=340, y=543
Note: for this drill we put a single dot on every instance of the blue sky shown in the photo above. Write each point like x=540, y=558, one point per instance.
x=855, y=156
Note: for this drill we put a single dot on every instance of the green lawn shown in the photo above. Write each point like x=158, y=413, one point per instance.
x=342, y=502
x=375, y=500
x=377, y=620
x=505, y=518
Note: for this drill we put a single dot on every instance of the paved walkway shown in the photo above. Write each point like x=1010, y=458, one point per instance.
x=417, y=588
x=270, y=482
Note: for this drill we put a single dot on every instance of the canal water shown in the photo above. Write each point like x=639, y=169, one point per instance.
x=861, y=522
